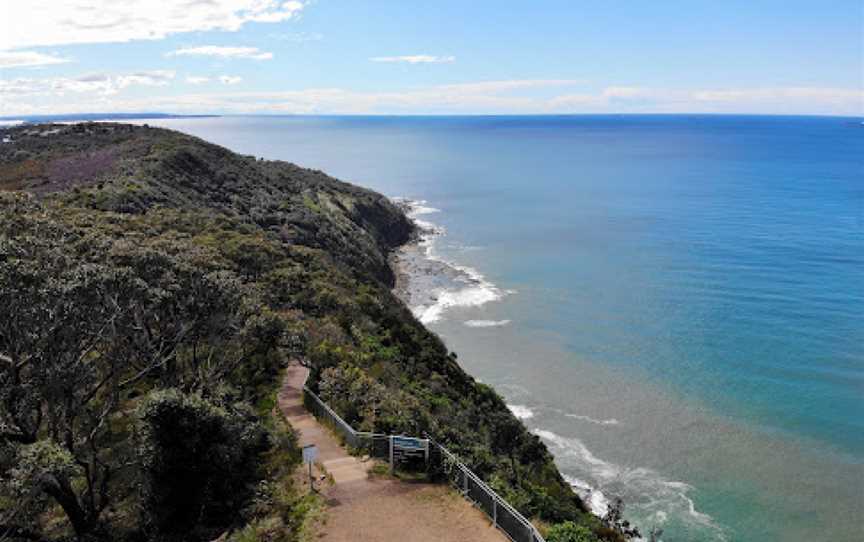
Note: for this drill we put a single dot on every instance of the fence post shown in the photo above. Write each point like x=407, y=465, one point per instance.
x=495, y=512
x=390, y=440
x=465, y=478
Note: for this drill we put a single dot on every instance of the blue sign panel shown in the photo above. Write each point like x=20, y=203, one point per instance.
x=310, y=453
x=408, y=443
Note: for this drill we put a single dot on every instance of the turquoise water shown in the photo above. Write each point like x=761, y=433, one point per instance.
x=677, y=302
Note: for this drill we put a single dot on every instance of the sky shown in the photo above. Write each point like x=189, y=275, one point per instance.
x=432, y=56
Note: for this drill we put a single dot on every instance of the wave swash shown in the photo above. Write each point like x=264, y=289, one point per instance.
x=655, y=499
x=436, y=283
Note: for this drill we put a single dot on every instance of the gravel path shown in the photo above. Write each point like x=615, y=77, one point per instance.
x=361, y=508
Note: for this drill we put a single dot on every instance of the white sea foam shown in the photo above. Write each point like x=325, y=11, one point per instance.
x=486, y=323
x=521, y=411
x=466, y=297
x=8, y=123
x=477, y=290
x=420, y=209
x=596, y=500
x=646, y=491
x=415, y=207
x=610, y=421
x=575, y=448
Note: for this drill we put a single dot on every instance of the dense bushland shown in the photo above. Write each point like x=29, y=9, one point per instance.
x=151, y=287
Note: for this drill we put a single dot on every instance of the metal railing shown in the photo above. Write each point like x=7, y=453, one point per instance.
x=503, y=516
x=473, y=488
x=375, y=444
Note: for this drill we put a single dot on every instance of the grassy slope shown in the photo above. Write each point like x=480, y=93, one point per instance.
x=316, y=249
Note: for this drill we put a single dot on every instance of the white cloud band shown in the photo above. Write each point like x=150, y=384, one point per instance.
x=415, y=59
x=17, y=59
x=34, y=23
x=223, y=52
x=98, y=83
x=529, y=96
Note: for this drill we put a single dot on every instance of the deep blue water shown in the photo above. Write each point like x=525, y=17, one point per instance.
x=712, y=266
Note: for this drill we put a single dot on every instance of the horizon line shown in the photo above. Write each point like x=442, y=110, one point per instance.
x=162, y=115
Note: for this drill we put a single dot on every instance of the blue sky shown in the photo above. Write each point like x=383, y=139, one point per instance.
x=432, y=57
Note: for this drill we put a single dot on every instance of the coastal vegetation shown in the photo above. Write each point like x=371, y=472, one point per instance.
x=153, y=285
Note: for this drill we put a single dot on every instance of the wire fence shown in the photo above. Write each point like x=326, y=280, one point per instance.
x=438, y=459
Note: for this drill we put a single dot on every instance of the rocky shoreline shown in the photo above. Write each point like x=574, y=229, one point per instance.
x=427, y=283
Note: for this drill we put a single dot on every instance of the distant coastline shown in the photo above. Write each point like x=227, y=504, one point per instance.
x=83, y=117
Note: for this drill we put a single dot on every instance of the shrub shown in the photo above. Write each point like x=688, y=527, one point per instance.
x=570, y=532
x=198, y=464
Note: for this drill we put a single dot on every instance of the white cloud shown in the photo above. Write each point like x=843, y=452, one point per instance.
x=297, y=37
x=17, y=59
x=21, y=86
x=783, y=93
x=155, y=78
x=626, y=92
x=193, y=80
x=229, y=80
x=415, y=59
x=507, y=85
x=96, y=83
x=759, y=100
x=34, y=23
x=224, y=52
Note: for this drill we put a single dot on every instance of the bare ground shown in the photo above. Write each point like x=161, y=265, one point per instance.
x=364, y=508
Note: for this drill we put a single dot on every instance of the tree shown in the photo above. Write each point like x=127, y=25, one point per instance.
x=84, y=323
x=507, y=440
x=38, y=472
x=198, y=458
x=56, y=390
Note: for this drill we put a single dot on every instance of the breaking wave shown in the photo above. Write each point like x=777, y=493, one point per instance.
x=651, y=497
x=610, y=421
x=521, y=411
x=594, y=498
x=486, y=323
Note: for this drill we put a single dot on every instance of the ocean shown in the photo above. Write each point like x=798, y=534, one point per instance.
x=674, y=304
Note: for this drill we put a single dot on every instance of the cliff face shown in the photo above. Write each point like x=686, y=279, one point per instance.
x=307, y=253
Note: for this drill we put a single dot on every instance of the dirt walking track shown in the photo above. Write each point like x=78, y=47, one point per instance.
x=364, y=509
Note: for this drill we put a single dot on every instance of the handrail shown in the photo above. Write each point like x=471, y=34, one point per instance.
x=328, y=409
x=492, y=493
x=467, y=472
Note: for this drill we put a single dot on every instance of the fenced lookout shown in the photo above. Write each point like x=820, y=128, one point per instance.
x=424, y=453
